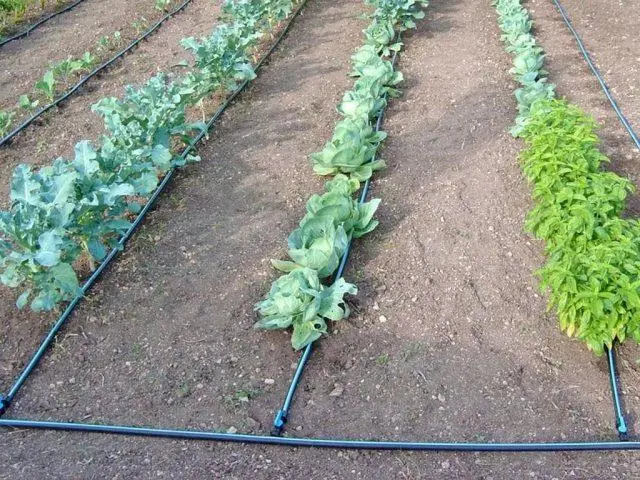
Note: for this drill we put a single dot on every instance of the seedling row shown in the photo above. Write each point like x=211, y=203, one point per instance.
x=65, y=77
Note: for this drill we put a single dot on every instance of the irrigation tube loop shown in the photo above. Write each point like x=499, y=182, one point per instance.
x=598, y=75
x=5, y=401
x=281, y=416
x=31, y=28
x=7, y=138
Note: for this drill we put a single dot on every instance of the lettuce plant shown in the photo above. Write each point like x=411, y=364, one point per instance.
x=516, y=24
x=332, y=219
x=350, y=151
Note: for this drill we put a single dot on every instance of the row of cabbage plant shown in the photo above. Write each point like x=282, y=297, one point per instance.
x=299, y=299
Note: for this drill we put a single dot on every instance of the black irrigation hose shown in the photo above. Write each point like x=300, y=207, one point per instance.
x=32, y=27
x=621, y=424
x=598, y=75
x=93, y=73
x=5, y=401
x=321, y=442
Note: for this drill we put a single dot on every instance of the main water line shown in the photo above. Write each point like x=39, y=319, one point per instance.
x=323, y=442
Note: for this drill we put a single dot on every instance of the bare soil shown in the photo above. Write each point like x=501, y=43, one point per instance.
x=449, y=339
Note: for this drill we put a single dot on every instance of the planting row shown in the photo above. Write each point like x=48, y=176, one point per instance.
x=66, y=75
x=12, y=11
x=298, y=299
x=70, y=213
x=592, y=271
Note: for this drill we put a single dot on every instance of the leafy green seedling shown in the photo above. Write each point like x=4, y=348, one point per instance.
x=6, y=118
x=66, y=68
x=47, y=85
x=26, y=103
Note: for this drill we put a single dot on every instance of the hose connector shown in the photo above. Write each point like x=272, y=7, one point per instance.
x=4, y=404
x=623, y=432
x=278, y=423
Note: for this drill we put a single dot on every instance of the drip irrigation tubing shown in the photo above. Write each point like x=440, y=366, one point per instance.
x=6, y=400
x=621, y=424
x=281, y=416
x=321, y=442
x=594, y=69
x=7, y=138
x=45, y=19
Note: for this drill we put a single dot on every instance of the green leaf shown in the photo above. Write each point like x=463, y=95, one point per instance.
x=49, y=252
x=304, y=334
x=96, y=248
x=65, y=278
x=161, y=157
x=85, y=159
x=23, y=299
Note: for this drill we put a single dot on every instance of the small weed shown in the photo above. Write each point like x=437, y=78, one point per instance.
x=184, y=391
x=136, y=350
x=242, y=397
x=140, y=25
x=382, y=359
x=412, y=351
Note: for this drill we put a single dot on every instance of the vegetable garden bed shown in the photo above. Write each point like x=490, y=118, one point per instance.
x=448, y=339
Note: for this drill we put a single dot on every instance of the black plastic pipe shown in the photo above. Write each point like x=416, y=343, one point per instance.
x=5, y=401
x=621, y=424
x=32, y=27
x=7, y=138
x=322, y=442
